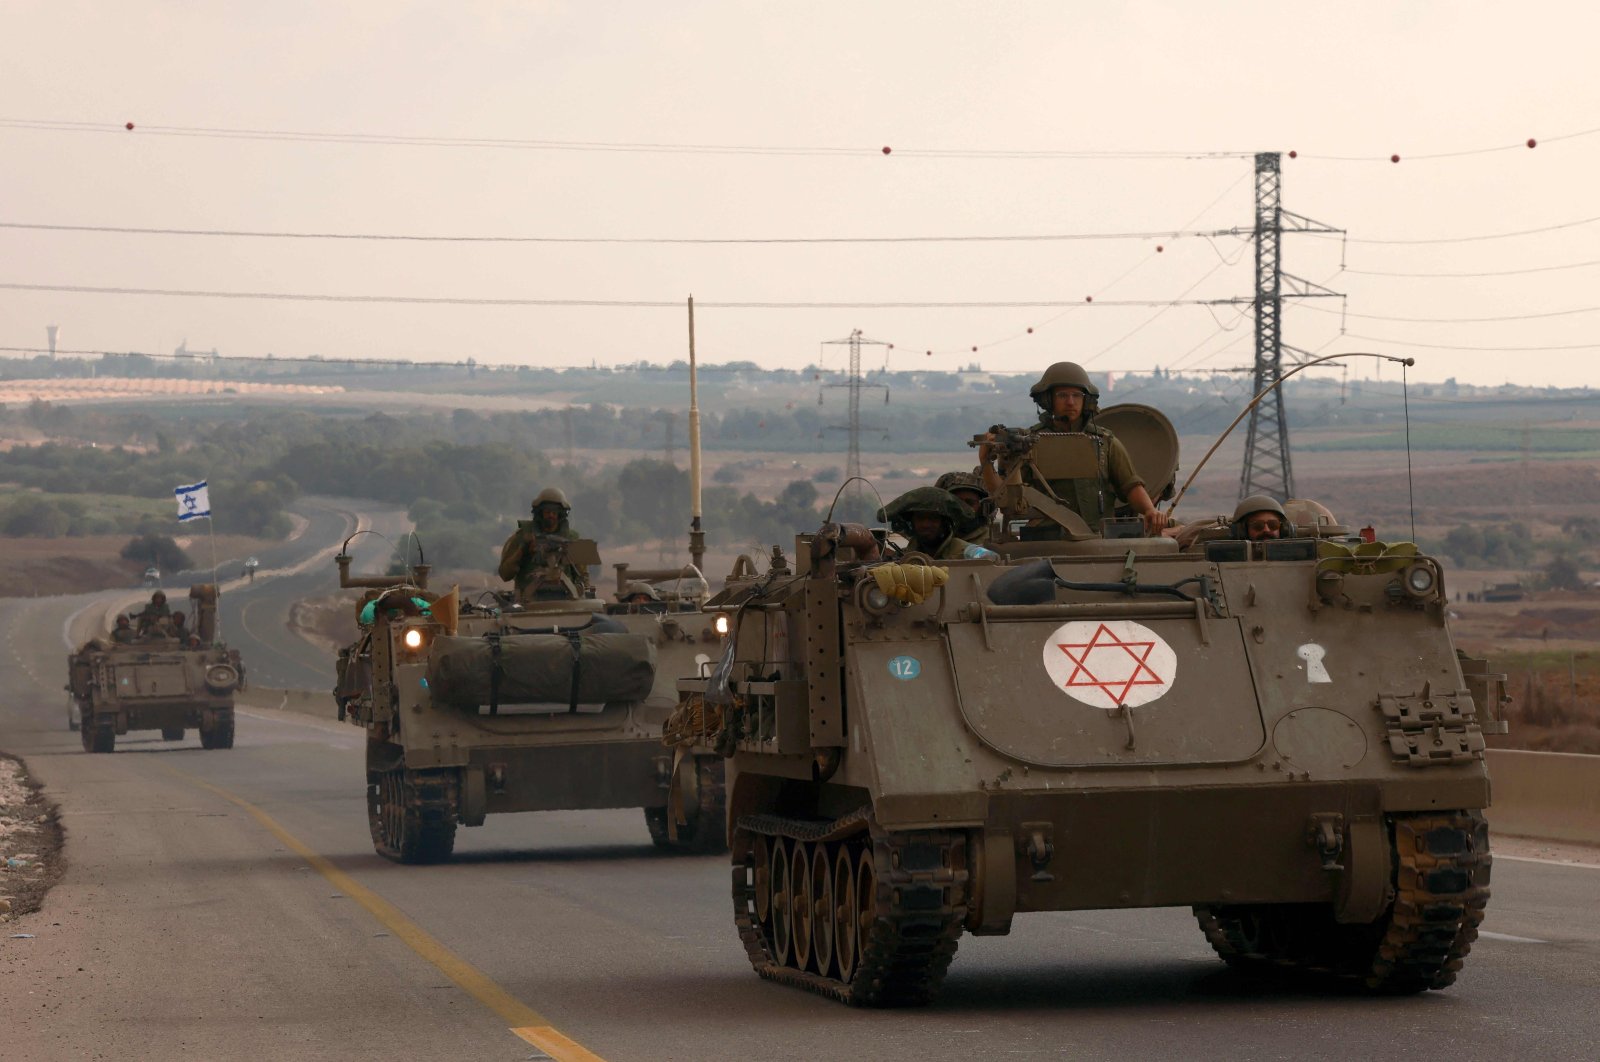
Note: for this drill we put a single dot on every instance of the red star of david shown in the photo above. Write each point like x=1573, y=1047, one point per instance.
x=1105, y=641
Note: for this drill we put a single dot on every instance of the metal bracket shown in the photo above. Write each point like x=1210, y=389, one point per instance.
x=1325, y=833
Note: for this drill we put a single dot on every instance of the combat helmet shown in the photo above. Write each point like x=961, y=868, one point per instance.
x=1066, y=374
x=552, y=496
x=934, y=500
x=639, y=586
x=158, y=598
x=954, y=481
x=1259, y=503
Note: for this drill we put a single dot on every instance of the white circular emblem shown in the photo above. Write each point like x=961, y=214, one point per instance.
x=1106, y=664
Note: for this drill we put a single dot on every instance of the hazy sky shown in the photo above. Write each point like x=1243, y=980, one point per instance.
x=1364, y=80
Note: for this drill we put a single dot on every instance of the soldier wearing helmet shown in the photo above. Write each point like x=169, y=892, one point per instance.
x=1259, y=518
x=928, y=517
x=639, y=592
x=1067, y=401
x=534, y=557
x=157, y=610
x=969, y=490
x=123, y=632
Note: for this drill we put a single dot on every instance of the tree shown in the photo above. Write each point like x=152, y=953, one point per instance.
x=159, y=550
x=1562, y=573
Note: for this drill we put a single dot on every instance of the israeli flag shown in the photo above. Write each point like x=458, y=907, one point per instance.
x=193, y=501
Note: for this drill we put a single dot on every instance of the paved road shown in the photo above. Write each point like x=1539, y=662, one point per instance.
x=227, y=905
x=254, y=612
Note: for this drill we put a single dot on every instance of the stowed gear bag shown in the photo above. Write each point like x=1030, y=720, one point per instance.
x=572, y=669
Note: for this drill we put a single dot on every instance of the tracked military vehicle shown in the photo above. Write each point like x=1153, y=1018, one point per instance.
x=1280, y=735
x=499, y=706
x=158, y=683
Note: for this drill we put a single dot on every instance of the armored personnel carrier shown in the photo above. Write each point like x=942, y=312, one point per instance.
x=499, y=706
x=158, y=682
x=1281, y=735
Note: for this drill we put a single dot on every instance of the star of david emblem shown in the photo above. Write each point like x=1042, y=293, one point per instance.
x=1110, y=663
x=189, y=502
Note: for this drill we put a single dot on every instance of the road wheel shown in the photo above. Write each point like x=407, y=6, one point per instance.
x=219, y=736
x=172, y=733
x=101, y=738
x=410, y=823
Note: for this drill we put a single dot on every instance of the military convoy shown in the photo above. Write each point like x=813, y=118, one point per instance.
x=158, y=683
x=1279, y=734
x=473, y=708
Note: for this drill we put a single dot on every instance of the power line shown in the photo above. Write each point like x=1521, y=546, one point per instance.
x=651, y=304
x=1464, y=320
x=1490, y=273
x=1475, y=238
x=396, y=140
x=1531, y=142
x=1174, y=234
x=1390, y=341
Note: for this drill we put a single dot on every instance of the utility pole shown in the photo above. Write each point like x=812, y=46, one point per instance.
x=1267, y=468
x=854, y=385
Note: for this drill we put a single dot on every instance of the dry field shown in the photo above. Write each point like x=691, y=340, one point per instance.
x=35, y=567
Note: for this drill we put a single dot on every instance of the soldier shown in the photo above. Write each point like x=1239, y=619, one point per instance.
x=1067, y=402
x=928, y=517
x=179, y=631
x=156, y=610
x=534, y=556
x=123, y=632
x=969, y=490
x=1259, y=518
x=639, y=592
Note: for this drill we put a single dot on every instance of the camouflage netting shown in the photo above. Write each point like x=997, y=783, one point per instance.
x=542, y=669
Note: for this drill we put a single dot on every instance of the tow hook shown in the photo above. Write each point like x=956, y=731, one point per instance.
x=1325, y=833
x=1039, y=849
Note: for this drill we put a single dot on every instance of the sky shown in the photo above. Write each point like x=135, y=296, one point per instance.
x=1020, y=120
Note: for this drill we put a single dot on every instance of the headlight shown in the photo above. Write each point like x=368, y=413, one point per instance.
x=1420, y=580
x=413, y=638
x=874, y=600
x=722, y=624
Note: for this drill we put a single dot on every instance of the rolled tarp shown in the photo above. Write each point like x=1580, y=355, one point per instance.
x=513, y=669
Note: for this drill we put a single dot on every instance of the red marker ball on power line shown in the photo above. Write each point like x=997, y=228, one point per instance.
x=1532, y=142
x=891, y=346
x=886, y=149
x=974, y=350
x=130, y=126
x=1159, y=248
x=1030, y=331
x=1294, y=154
x=1088, y=298
x=1394, y=158
x=930, y=353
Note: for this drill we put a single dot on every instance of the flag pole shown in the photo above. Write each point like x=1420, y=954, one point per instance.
x=216, y=623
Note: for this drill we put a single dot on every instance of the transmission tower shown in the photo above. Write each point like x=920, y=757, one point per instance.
x=854, y=385
x=1267, y=468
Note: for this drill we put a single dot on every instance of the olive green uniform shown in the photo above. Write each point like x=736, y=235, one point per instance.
x=1087, y=497
x=123, y=635
x=529, y=557
x=152, y=614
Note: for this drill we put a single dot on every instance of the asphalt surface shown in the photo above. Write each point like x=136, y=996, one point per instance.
x=228, y=905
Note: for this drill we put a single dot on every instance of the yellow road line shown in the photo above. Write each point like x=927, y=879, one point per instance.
x=525, y=1022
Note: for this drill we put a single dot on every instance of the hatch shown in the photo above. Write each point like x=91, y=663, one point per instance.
x=1123, y=690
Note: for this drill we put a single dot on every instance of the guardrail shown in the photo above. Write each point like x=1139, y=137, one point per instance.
x=1554, y=796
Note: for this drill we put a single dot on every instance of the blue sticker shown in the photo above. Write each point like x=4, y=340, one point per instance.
x=905, y=667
